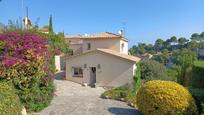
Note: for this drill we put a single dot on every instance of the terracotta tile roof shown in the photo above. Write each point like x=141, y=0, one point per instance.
x=73, y=36
x=74, y=41
x=121, y=55
x=43, y=30
x=96, y=35
x=111, y=52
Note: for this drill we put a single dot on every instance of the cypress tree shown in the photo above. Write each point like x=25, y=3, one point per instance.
x=50, y=25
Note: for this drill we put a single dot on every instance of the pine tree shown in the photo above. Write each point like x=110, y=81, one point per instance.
x=50, y=25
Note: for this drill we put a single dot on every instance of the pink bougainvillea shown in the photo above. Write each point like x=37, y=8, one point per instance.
x=24, y=46
x=21, y=49
x=27, y=59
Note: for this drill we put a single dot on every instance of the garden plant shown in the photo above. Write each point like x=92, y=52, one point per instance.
x=27, y=61
x=159, y=97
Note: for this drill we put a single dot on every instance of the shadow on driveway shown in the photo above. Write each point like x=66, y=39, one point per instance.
x=60, y=75
x=123, y=111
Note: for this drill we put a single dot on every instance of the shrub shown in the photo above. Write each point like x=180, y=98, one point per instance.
x=123, y=93
x=37, y=96
x=153, y=70
x=56, y=41
x=198, y=74
x=165, y=98
x=27, y=61
x=137, y=79
x=9, y=101
x=173, y=73
x=116, y=93
x=184, y=59
x=198, y=94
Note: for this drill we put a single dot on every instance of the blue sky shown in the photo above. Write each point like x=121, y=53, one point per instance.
x=146, y=20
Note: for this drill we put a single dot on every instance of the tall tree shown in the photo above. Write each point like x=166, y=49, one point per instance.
x=141, y=48
x=182, y=40
x=149, y=48
x=167, y=44
x=193, y=45
x=165, y=53
x=50, y=25
x=202, y=36
x=195, y=37
x=159, y=43
x=173, y=40
x=153, y=70
x=185, y=59
x=133, y=50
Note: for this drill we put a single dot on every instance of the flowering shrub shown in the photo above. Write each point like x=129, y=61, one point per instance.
x=165, y=98
x=56, y=41
x=27, y=61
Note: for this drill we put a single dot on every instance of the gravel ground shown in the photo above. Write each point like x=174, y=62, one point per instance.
x=73, y=99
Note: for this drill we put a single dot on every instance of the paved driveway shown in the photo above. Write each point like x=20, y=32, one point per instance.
x=73, y=99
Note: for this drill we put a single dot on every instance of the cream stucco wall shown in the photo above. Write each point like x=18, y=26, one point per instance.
x=75, y=47
x=114, y=71
x=113, y=44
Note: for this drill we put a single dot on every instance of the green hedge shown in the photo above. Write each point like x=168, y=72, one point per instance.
x=198, y=74
x=198, y=94
x=9, y=101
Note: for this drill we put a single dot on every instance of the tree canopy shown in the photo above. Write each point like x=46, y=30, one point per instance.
x=195, y=42
x=153, y=70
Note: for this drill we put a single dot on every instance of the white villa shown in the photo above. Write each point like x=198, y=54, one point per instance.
x=100, y=59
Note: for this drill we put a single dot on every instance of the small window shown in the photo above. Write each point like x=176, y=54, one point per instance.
x=122, y=46
x=77, y=72
x=88, y=46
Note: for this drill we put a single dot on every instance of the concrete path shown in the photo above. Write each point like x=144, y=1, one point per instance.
x=73, y=99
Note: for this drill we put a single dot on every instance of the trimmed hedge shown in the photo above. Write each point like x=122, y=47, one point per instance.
x=165, y=98
x=198, y=94
x=198, y=74
x=9, y=101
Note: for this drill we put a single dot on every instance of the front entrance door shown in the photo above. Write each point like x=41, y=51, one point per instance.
x=92, y=76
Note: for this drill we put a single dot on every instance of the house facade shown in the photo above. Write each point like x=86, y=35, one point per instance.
x=100, y=59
